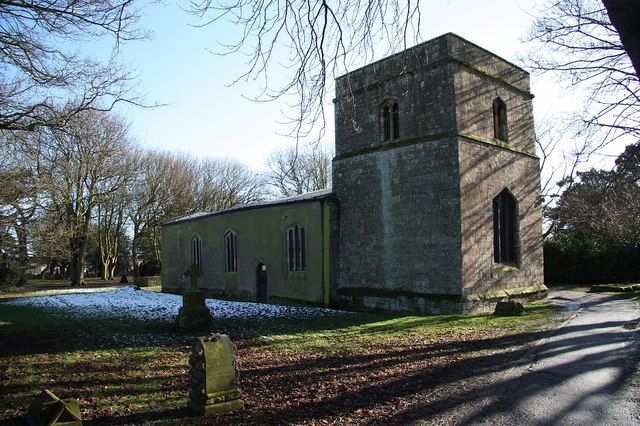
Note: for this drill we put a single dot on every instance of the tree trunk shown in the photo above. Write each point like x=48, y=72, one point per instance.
x=23, y=250
x=625, y=17
x=134, y=252
x=78, y=248
x=77, y=273
x=112, y=270
x=105, y=270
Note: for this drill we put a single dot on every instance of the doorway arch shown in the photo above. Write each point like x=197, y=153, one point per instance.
x=261, y=282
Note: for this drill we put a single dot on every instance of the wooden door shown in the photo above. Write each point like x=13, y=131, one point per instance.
x=261, y=282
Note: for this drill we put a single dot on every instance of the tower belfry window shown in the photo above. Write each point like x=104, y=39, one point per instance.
x=500, y=126
x=390, y=118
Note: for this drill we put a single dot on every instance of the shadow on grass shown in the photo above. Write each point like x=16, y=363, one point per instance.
x=397, y=382
x=382, y=381
x=29, y=330
x=434, y=381
x=181, y=415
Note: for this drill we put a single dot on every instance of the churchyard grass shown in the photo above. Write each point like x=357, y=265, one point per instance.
x=33, y=287
x=333, y=367
x=352, y=330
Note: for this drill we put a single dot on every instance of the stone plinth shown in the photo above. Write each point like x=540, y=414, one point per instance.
x=194, y=314
x=213, y=376
x=509, y=308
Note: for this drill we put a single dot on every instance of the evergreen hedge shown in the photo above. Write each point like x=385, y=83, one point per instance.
x=570, y=259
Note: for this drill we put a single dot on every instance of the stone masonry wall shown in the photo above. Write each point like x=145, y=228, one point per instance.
x=475, y=92
x=487, y=63
x=485, y=171
x=487, y=166
x=399, y=227
x=425, y=99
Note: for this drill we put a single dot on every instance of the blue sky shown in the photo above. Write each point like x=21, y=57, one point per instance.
x=207, y=118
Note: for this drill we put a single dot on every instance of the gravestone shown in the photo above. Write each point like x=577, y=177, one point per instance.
x=194, y=314
x=213, y=376
x=47, y=409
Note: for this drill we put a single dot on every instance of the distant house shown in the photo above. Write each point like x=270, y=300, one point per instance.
x=434, y=206
x=35, y=269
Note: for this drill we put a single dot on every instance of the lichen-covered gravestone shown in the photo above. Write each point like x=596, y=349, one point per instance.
x=47, y=409
x=213, y=376
x=194, y=314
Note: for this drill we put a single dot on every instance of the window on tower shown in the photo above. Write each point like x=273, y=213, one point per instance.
x=390, y=120
x=500, y=127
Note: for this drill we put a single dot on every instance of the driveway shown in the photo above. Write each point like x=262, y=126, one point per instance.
x=584, y=373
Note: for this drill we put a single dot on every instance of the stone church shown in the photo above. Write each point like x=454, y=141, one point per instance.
x=435, y=205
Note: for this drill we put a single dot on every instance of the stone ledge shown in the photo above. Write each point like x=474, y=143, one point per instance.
x=508, y=293
x=614, y=288
x=401, y=143
x=386, y=293
x=497, y=143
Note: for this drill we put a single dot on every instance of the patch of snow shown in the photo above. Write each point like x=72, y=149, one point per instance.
x=146, y=305
x=56, y=291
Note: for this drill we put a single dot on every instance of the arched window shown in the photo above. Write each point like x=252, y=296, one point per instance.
x=230, y=250
x=395, y=117
x=500, y=127
x=296, y=248
x=390, y=118
x=196, y=251
x=505, y=228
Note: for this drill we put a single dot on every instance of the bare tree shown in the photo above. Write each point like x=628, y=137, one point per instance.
x=225, y=183
x=109, y=227
x=50, y=237
x=79, y=167
x=294, y=172
x=165, y=189
x=44, y=82
x=18, y=204
x=575, y=40
x=319, y=40
x=19, y=196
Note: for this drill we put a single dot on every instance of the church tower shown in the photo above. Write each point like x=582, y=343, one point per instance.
x=437, y=183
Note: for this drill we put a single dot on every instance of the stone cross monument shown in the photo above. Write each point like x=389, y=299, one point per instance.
x=194, y=314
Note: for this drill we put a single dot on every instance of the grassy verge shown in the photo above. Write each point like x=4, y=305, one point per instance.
x=127, y=370
x=627, y=296
x=350, y=331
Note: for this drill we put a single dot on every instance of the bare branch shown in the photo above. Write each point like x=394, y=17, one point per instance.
x=43, y=84
x=318, y=39
x=575, y=40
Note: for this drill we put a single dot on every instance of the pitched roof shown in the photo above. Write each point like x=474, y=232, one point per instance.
x=309, y=196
